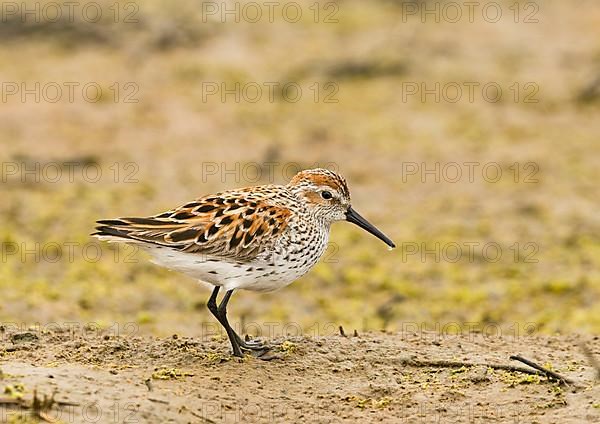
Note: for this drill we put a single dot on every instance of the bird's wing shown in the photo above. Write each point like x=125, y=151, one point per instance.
x=235, y=224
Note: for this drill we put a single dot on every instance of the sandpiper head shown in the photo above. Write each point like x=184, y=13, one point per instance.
x=326, y=194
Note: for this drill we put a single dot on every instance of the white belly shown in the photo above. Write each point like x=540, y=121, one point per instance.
x=258, y=275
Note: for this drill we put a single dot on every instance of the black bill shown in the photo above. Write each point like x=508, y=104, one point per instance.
x=355, y=218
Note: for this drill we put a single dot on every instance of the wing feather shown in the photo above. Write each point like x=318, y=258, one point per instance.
x=237, y=224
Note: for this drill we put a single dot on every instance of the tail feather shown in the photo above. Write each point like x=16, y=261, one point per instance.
x=112, y=222
x=136, y=230
x=107, y=231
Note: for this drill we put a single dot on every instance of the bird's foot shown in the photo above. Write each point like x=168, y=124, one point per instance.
x=258, y=349
x=253, y=344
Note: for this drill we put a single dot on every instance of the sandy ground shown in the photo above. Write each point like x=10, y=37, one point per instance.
x=365, y=378
x=160, y=147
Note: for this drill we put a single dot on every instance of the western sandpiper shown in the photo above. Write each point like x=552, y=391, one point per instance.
x=257, y=238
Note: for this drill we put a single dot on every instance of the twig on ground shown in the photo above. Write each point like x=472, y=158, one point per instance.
x=10, y=401
x=459, y=364
x=39, y=407
x=66, y=403
x=342, y=333
x=204, y=419
x=549, y=373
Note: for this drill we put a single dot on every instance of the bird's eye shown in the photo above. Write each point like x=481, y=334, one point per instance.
x=326, y=195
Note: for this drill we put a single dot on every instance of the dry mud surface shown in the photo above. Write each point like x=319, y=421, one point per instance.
x=374, y=377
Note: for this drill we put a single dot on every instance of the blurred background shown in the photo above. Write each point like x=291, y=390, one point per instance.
x=470, y=137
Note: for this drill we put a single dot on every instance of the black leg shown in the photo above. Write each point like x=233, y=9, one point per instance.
x=220, y=313
x=248, y=345
x=212, y=303
x=233, y=337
